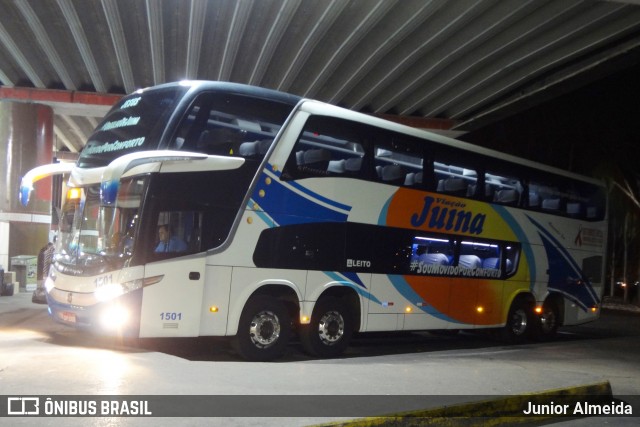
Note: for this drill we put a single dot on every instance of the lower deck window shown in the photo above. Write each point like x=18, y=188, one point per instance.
x=383, y=250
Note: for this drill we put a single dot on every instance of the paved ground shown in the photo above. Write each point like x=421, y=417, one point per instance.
x=40, y=357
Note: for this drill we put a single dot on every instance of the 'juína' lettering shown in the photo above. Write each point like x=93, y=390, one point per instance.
x=444, y=218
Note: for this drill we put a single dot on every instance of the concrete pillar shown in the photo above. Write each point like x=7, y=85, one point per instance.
x=4, y=245
x=26, y=141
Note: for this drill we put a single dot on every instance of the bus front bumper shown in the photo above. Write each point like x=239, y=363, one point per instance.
x=118, y=317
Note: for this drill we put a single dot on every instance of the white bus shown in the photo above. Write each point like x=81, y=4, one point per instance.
x=218, y=209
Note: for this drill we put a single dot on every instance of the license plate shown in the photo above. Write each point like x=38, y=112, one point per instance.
x=68, y=316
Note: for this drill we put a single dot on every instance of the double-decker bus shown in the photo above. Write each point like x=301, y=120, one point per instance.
x=219, y=209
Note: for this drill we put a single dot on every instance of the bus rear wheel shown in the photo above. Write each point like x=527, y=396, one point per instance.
x=264, y=329
x=519, y=323
x=548, y=321
x=330, y=329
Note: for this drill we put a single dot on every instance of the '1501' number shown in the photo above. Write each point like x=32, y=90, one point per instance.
x=170, y=316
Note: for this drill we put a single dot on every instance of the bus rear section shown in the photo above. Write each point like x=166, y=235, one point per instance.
x=393, y=230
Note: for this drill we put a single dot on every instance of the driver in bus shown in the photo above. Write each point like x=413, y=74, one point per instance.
x=169, y=243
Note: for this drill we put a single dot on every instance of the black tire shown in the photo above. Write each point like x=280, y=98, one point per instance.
x=264, y=329
x=330, y=329
x=519, y=323
x=548, y=321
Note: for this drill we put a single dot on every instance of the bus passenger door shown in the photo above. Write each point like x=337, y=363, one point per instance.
x=171, y=307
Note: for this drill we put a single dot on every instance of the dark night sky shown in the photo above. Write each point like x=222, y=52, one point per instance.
x=577, y=131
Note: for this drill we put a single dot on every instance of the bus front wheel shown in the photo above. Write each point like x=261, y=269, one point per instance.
x=264, y=329
x=330, y=329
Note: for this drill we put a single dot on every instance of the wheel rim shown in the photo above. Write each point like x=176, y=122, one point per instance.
x=331, y=327
x=548, y=320
x=519, y=322
x=264, y=330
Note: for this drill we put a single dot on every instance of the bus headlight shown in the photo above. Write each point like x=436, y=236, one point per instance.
x=114, y=317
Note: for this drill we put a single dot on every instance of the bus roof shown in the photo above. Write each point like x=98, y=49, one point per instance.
x=318, y=107
x=230, y=87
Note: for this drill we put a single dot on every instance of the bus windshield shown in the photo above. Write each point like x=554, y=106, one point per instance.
x=216, y=120
x=91, y=234
x=133, y=124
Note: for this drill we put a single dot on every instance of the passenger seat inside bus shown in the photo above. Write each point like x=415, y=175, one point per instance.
x=314, y=161
x=534, y=199
x=413, y=179
x=220, y=141
x=315, y=156
x=574, y=208
x=437, y=258
x=453, y=186
x=491, y=263
x=507, y=196
x=254, y=149
x=470, y=261
x=337, y=166
x=551, y=204
x=353, y=165
x=393, y=174
x=488, y=190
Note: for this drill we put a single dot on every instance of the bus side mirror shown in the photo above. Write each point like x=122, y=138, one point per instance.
x=110, y=182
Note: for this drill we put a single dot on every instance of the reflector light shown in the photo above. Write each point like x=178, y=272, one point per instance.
x=73, y=193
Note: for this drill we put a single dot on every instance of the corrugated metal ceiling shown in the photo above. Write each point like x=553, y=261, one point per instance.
x=467, y=61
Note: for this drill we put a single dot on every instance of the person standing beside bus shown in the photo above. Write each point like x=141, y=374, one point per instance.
x=45, y=257
x=48, y=259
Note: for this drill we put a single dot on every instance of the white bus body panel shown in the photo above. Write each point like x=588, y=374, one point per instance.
x=216, y=294
x=171, y=307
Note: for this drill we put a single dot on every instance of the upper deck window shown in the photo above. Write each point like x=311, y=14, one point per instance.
x=334, y=147
x=230, y=124
x=338, y=148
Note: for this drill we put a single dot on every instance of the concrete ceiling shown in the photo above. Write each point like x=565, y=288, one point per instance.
x=468, y=63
